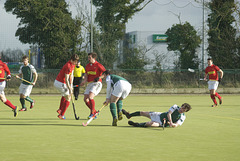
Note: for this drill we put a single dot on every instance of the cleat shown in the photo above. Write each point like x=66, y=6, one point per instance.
x=59, y=111
x=126, y=114
x=32, y=104
x=114, y=123
x=214, y=105
x=23, y=109
x=220, y=101
x=90, y=116
x=15, y=111
x=135, y=124
x=61, y=117
x=76, y=98
x=120, y=115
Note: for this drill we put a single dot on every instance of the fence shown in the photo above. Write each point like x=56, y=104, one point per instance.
x=144, y=81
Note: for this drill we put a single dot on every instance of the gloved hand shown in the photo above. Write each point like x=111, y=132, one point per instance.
x=96, y=79
x=9, y=77
x=219, y=80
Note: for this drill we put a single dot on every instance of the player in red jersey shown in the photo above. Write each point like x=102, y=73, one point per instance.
x=93, y=70
x=212, y=72
x=4, y=69
x=63, y=83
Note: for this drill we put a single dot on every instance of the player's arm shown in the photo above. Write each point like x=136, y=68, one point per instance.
x=108, y=96
x=205, y=76
x=221, y=73
x=84, y=80
x=7, y=72
x=35, y=78
x=171, y=124
x=67, y=79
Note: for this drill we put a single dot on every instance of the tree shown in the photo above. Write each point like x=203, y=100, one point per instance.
x=112, y=17
x=183, y=38
x=222, y=34
x=48, y=24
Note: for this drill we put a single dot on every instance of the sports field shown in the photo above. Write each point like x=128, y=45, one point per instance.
x=208, y=134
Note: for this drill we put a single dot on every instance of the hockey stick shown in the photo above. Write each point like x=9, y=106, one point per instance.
x=74, y=110
x=88, y=122
x=164, y=122
x=23, y=80
x=2, y=78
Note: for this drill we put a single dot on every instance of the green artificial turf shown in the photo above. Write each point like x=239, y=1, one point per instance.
x=208, y=134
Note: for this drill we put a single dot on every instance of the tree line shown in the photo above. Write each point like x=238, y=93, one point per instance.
x=49, y=25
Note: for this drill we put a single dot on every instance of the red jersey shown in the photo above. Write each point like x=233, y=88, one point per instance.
x=66, y=69
x=212, y=72
x=3, y=68
x=94, y=70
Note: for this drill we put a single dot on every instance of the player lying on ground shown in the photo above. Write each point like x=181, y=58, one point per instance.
x=174, y=117
x=118, y=88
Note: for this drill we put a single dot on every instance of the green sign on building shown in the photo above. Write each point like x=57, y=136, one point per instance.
x=160, y=38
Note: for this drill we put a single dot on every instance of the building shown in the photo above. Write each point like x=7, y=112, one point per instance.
x=154, y=43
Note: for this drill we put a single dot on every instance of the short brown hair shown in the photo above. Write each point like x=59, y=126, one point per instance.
x=93, y=54
x=186, y=106
x=209, y=59
x=74, y=57
x=24, y=57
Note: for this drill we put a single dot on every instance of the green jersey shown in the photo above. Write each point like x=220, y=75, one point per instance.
x=114, y=79
x=176, y=116
x=27, y=73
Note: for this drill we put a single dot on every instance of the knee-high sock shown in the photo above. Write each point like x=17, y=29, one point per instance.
x=62, y=102
x=119, y=105
x=65, y=106
x=9, y=104
x=22, y=100
x=217, y=95
x=214, y=99
x=92, y=103
x=137, y=113
x=113, y=110
x=29, y=99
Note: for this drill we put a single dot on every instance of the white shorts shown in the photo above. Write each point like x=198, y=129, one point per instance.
x=62, y=88
x=121, y=89
x=212, y=85
x=94, y=87
x=2, y=87
x=25, y=89
x=155, y=117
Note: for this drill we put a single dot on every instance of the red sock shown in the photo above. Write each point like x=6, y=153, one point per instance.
x=66, y=104
x=9, y=104
x=88, y=104
x=92, y=102
x=214, y=99
x=62, y=103
x=218, y=96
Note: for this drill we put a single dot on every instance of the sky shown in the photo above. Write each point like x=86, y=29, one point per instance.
x=158, y=15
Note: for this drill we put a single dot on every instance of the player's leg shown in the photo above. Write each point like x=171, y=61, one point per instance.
x=137, y=113
x=65, y=106
x=27, y=91
x=94, y=91
x=211, y=87
x=119, y=109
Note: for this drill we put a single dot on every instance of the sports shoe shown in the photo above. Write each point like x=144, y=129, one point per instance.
x=120, y=115
x=91, y=115
x=15, y=111
x=135, y=124
x=59, y=111
x=61, y=117
x=32, y=104
x=23, y=109
x=114, y=123
x=126, y=113
x=220, y=101
x=214, y=105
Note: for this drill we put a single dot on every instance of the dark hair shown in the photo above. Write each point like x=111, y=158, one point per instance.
x=209, y=59
x=93, y=54
x=107, y=72
x=186, y=106
x=74, y=57
x=24, y=57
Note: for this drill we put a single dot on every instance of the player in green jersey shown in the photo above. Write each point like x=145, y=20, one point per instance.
x=174, y=117
x=29, y=76
x=118, y=88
